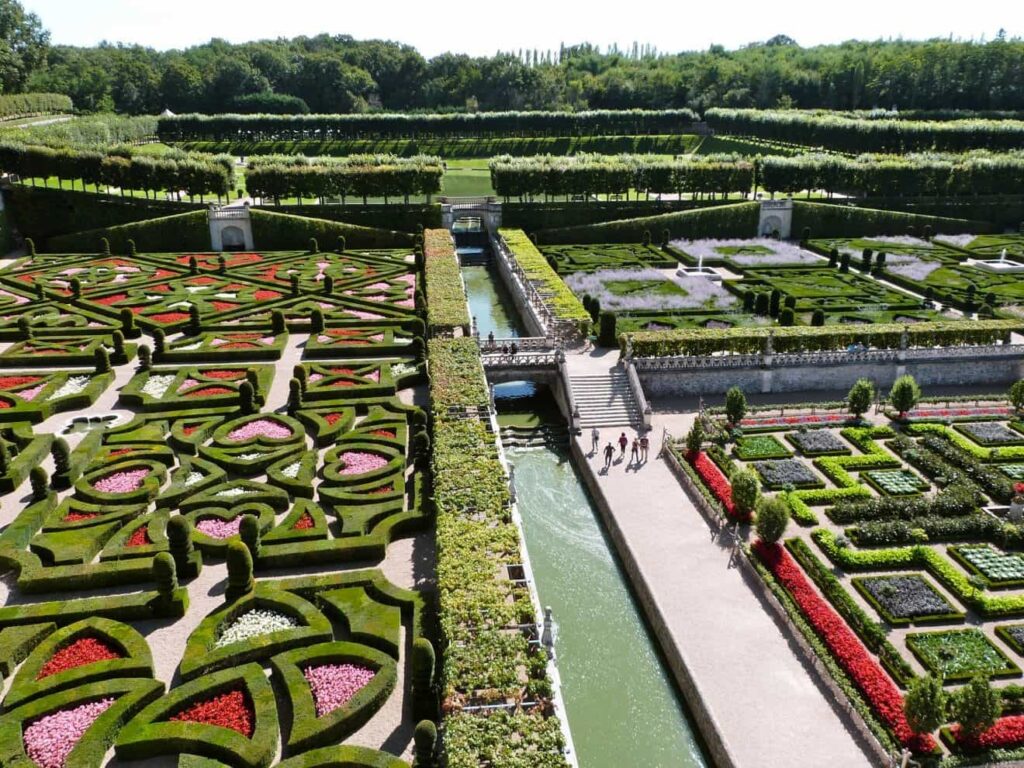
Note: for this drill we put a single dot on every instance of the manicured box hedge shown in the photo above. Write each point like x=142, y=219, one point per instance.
x=446, y=300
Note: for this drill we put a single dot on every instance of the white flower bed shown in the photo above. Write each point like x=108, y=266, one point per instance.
x=189, y=347
x=782, y=252
x=292, y=470
x=698, y=291
x=254, y=623
x=157, y=386
x=193, y=478
x=401, y=369
x=72, y=386
x=250, y=456
x=910, y=267
x=960, y=241
x=233, y=492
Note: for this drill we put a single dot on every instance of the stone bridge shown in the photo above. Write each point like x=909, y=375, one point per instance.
x=487, y=210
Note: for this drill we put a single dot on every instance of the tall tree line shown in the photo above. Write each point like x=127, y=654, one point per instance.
x=338, y=74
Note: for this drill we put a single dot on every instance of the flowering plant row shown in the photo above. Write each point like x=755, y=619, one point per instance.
x=879, y=689
x=717, y=483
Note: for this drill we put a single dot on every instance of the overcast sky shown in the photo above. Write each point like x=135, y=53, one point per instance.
x=482, y=28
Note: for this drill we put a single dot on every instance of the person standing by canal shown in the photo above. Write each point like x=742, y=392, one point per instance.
x=595, y=440
x=634, y=454
x=645, y=444
x=609, y=453
x=623, y=442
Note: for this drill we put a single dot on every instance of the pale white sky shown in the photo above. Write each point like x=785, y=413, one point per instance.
x=481, y=28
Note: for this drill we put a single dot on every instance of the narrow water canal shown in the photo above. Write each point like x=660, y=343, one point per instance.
x=622, y=705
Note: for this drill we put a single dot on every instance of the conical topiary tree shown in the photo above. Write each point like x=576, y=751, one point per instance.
x=294, y=396
x=24, y=328
x=316, y=321
x=249, y=532
x=165, y=575
x=159, y=341
x=102, y=360
x=239, y=563
x=193, y=265
x=425, y=745
x=253, y=378
x=127, y=322
x=277, y=324
x=222, y=265
x=328, y=285
x=179, y=540
x=145, y=357
x=341, y=243
x=424, y=665
x=294, y=280
x=299, y=372
x=61, y=456
x=246, y=398
x=195, y=320
x=39, y=482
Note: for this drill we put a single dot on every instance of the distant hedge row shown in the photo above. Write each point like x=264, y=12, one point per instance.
x=736, y=220
x=853, y=134
x=837, y=220
x=616, y=174
x=278, y=232
x=368, y=126
x=195, y=175
x=26, y=104
x=974, y=173
x=357, y=176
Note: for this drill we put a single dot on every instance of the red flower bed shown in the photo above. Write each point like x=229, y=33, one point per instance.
x=224, y=306
x=383, y=433
x=949, y=413
x=304, y=523
x=382, y=490
x=265, y=295
x=4, y=404
x=187, y=431
x=168, y=317
x=228, y=710
x=202, y=280
x=212, y=392
x=119, y=452
x=808, y=419
x=9, y=382
x=111, y=299
x=244, y=336
x=139, y=537
x=234, y=287
x=880, y=691
x=239, y=345
x=342, y=383
x=162, y=273
x=716, y=482
x=84, y=650
x=1005, y=733
x=74, y=517
x=223, y=374
x=332, y=418
x=162, y=288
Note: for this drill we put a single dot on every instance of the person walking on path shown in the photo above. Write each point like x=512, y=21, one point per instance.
x=623, y=442
x=634, y=454
x=609, y=453
x=595, y=440
x=645, y=444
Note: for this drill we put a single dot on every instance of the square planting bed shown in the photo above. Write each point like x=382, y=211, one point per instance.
x=1001, y=569
x=960, y=654
x=1014, y=471
x=895, y=482
x=778, y=474
x=761, y=447
x=1013, y=636
x=818, y=442
x=906, y=598
x=990, y=433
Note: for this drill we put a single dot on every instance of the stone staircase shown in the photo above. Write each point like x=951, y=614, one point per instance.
x=605, y=400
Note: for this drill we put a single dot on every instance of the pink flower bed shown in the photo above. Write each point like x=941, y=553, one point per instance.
x=30, y=394
x=333, y=685
x=953, y=413
x=50, y=739
x=360, y=314
x=84, y=650
x=360, y=462
x=216, y=528
x=260, y=428
x=121, y=482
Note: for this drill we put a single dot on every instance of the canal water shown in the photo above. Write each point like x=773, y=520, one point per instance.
x=621, y=702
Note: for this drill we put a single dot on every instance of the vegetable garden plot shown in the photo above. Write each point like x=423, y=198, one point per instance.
x=779, y=473
x=896, y=482
x=903, y=599
x=818, y=442
x=989, y=433
x=960, y=655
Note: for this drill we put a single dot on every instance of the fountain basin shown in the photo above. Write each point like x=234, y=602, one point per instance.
x=999, y=266
x=705, y=272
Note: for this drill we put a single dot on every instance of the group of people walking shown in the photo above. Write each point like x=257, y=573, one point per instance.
x=638, y=453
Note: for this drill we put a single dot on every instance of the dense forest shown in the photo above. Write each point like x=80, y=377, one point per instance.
x=335, y=73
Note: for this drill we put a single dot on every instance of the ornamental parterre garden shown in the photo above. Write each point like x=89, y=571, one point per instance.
x=207, y=462
x=902, y=556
